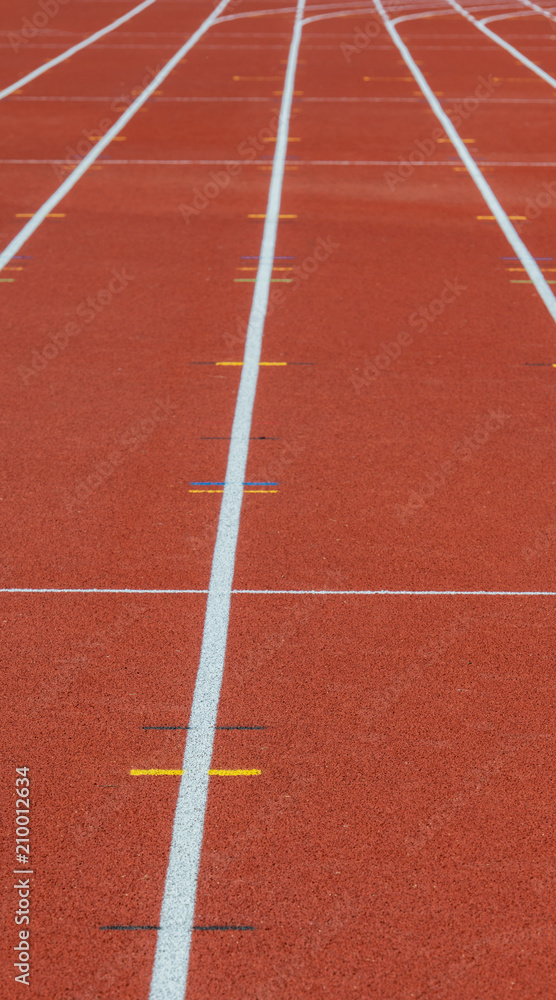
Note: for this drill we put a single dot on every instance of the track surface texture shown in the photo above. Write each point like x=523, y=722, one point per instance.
x=278, y=531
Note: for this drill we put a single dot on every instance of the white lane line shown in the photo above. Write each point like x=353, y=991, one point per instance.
x=422, y=14
x=93, y=154
x=529, y=263
x=506, y=17
x=539, y=10
x=178, y=904
x=325, y=17
x=503, y=44
x=74, y=48
x=346, y=593
x=359, y=8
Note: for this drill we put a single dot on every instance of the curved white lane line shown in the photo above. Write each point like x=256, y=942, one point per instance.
x=255, y=13
x=515, y=241
x=287, y=10
x=507, y=17
x=74, y=48
x=178, y=905
x=324, y=17
x=503, y=44
x=539, y=10
x=417, y=17
x=71, y=180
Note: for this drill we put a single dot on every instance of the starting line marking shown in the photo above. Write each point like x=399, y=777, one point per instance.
x=492, y=218
x=214, y=771
x=51, y=215
x=263, y=216
x=156, y=927
x=317, y=593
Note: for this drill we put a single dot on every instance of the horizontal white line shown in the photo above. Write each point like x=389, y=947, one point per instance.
x=269, y=99
x=292, y=163
x=413, y=593
x=346, y=593
x=93, y=590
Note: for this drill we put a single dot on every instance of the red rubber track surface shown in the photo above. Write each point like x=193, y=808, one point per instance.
x=398, y=842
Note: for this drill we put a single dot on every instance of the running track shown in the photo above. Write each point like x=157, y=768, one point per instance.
x=384, y=622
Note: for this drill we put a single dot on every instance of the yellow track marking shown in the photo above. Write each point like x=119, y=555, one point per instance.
x=397, y=79
x=153, y=770
x=490, y=218
x=273, y=138
x=221, y=773
x=256, y=269
x=259, y=216
x=468, y=142
x=231, y=774
x=256, y=78
x=30, y=215
x=543, y=269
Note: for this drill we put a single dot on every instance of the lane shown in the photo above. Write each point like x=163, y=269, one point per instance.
x=177, y=915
